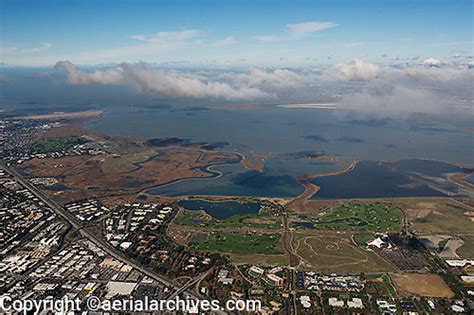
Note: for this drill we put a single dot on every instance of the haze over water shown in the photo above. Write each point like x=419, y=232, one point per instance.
x=287, y=132
x=290, y=135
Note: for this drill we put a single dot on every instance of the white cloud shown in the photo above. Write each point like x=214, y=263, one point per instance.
x=468, y=64
x=166, y=37
x=397, y=100
x=357, y=85
x=15, y=50
x=225, y=42
x=297, y=31
x=356, y=70
x=41, y=47
x=414, y=89
x=435, y=74
x=149, y=45
x=167, y=83
x=277, y=78
x=4, y=50
x=182, y=84
x=301, y=29
x=75, y=76
x=145, y=46
x=272, y=38
x=354, y=44
x=432, y=62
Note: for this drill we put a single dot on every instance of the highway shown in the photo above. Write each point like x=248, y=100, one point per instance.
x=99, y=242
x=191, y=283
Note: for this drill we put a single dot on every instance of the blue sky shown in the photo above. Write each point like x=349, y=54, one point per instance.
x=233, y=33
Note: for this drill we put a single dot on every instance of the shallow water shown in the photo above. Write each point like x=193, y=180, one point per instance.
x=221, y=210
x=470, y=179
x=407, y=178
x=283, y=132
x=286, y=135
x=277, y=180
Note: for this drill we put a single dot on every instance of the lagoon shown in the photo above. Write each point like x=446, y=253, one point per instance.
x=406, y=178
x=220, y=210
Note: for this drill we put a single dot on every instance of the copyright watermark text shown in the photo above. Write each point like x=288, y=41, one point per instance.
x=145, y=304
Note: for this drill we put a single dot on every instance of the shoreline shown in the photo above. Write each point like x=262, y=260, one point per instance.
x=64, y=115
x=311, y=189
x=214, y=174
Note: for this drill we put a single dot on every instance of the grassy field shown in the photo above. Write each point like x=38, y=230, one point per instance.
x=390, y=289
x=449, y=220
x=430, y=216
x=276, y=260
x=361, y=216
x=362, y=239
x=238, y=243
x=467, y=250
x=202, y=219
x=384, y=283
x=256, y=259
x=56, y=144
x=334, y=252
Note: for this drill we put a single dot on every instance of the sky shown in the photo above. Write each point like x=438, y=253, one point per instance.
x=390, y=57
x=233, y=33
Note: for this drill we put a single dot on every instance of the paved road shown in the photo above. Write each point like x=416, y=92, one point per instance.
x=99, y=242
x=293, y=260
x=188, y=285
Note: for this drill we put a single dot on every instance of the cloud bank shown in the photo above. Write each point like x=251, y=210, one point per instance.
x=75, y=76
x=354, y=85
x=161, y=82
x=356, y=70
x=432, y=62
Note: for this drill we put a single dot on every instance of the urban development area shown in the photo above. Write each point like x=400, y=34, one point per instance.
x=77, y=221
